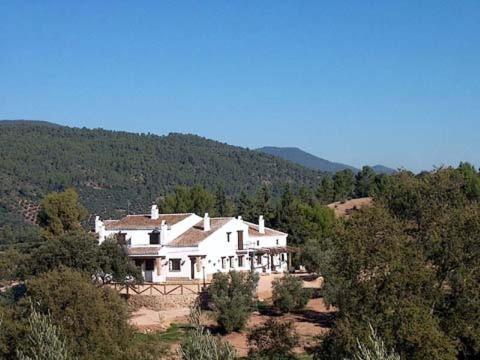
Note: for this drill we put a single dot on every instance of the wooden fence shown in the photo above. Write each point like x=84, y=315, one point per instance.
x=159, y=289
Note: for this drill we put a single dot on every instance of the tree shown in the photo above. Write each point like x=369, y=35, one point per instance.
x=221, y=204
x=288, y=294
x=232, y=298
x=61, y=213
x=325, y=192
x=93, y=320
x=245, y=207
x=184, y=199
x=11, y=265
x=365, y=182
x=113, y=259
x=409, y=266
x=200, y=344
x=263, y=205
x=273, y=340
x=75, y=250
x=343, y=184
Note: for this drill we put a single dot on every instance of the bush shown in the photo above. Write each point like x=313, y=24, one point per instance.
x=93, y=320
x=199, y=344
x=44, y=341
x=374, y=349
x=272, y=340
x=232, y=297
x=289, y=294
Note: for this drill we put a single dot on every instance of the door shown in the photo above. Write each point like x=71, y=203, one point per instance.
x=149, y=268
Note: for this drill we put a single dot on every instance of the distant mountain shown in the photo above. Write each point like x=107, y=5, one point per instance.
x=310, y=161
x=380, y=169
x=306, y=159
x=116, y=171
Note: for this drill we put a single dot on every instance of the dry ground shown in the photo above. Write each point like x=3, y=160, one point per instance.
x=345, y=208
x=311, y=322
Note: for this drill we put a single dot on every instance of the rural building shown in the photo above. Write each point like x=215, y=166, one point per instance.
x=187, y=246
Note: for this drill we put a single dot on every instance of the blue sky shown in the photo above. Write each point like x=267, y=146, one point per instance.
x=390, y=82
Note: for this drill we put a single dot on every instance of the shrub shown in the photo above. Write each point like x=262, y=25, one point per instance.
x=374, y=349
x=199, y=344
x=232, y=297
x=44, y=341
x=272, y=340
x=93, y=320
x=289, y=294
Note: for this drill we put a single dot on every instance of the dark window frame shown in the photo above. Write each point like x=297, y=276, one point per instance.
x=171, y=267
x=154, y=237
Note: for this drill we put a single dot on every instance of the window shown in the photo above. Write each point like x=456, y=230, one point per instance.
x=277, y=241
x=259, y=259
x=240, y=239
x=228, y=236
x=155, y=237
x=224, y=262
x=230, y=259
x=240, y=261
x=258, y=242
x=175, y=264
x=121, y=238
x=138, y=263
x=282, y=257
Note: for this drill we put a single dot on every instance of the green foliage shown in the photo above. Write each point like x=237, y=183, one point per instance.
x=61, y=213
x=273, y=340
x=113, y=259
x=93, y=320
x=200, y=344
x=185, y=199
x=44, y=341
x=115, y=172
x=288, y=294
x=80, y=251
x=232, y=298
x=325, y=192
x=343, y=184
x=410, y=267
x=365, y=184
x=374, y=349
x=11, y=262
x=76, y=250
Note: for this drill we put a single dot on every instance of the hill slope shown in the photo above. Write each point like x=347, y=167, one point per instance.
x=306, y=159
x=115, y=170
x=310, y=161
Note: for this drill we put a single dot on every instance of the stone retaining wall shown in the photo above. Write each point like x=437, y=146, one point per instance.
x=162, y=302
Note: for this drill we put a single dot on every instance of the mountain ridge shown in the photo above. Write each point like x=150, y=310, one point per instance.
x=304, y=158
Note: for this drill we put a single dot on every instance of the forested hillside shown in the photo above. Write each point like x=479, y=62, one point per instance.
x=118, y=171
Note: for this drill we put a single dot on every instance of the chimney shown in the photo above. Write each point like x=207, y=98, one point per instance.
x=154, y=212
x=239, y=218
x=98, y=224
x=163, y=233
x=261, y=225
x=206, y=222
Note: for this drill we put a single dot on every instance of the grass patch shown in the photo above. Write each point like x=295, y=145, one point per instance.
x=158, y=343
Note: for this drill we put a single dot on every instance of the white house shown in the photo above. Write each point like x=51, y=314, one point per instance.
x=187, y=246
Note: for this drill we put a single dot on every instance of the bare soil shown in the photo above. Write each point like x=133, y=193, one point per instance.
x=313, y=321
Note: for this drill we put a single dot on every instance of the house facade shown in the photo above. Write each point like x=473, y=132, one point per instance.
x=169, y=247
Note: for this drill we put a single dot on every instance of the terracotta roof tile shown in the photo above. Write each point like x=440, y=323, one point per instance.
x=139, y=222
x=253, y=231
x=195, y=235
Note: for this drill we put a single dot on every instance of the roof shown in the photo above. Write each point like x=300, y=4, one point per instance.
x=195, y=235
x=253, y=231
x=143, y=250
x=143, y=222
x=346, y=208
x=276, y=250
